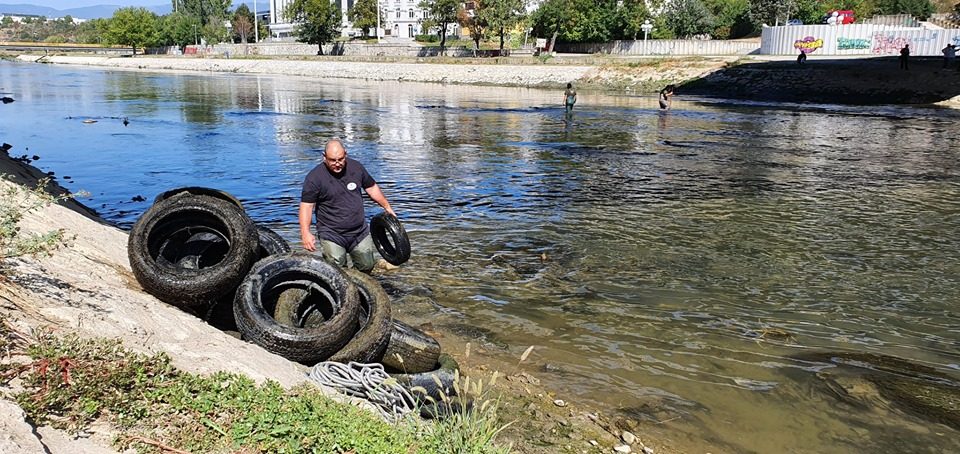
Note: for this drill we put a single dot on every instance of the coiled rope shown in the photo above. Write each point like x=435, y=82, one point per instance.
x=366, y=381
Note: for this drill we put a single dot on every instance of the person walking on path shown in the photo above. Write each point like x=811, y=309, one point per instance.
x=802, y=58
x=332, y=193
x=905, y=57
x=569, y=98
x=665, y=96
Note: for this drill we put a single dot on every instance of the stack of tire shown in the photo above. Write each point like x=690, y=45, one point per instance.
x=197, y=249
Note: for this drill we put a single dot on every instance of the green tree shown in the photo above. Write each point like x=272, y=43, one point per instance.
x=689, y=17
x=180, y=29
x=6, y=22
x=919, y=8
x=134, y=27
x=502, y=15
x=732, y=18
x=364, y=15
x=318, y=21
x=205, y=10
x=771, y=12
x=441, y=13
x=629, y=18
x=242, y=23
x=474, y=22
x=92, y=31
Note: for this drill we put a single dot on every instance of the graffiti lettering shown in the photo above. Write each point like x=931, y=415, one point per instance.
x=852, y=43
x=808, y=44
x=888, y=44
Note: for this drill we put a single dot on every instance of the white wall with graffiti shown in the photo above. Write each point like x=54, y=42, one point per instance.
x=855, y=39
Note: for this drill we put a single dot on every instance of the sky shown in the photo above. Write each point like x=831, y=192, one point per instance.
x=67, y=4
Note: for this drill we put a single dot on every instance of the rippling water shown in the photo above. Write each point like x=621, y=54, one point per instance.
x=669, y=266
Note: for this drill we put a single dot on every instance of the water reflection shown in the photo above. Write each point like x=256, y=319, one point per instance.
x=669, y=264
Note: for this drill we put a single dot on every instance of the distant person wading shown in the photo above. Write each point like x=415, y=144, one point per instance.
x=569, y=97
x=332, y=192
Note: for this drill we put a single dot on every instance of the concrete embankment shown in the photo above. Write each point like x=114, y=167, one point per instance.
x=510, y=75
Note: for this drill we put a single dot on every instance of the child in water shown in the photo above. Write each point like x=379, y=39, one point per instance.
x=569, y=97
x=665, y=96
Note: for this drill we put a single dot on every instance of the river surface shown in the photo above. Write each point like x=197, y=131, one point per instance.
x=667, y=267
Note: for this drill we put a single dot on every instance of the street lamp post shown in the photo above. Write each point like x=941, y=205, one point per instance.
x=646, y=27
x=256, y=29
x=196, y=41
x=378, y=21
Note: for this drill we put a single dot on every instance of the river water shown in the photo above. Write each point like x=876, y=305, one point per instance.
x=668, y=267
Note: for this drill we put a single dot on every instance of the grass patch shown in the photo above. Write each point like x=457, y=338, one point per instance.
x=70, y=382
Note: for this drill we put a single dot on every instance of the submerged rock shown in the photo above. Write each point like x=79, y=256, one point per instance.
x=866, y=379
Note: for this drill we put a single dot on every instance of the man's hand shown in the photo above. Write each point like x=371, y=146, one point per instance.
x=309, y=241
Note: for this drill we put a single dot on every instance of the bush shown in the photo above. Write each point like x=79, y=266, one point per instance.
x=427, y=38
x=15, y=202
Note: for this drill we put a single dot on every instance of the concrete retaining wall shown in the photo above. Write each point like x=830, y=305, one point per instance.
x=856, y=39
x=663, y=47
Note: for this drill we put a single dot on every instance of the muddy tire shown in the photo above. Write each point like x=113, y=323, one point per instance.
x=445, y=370
x=188, y=250
x=410, y=350
x=271, y=243
x=370, y=342
x=390, y=238
x=196, y=190
x=257, y=297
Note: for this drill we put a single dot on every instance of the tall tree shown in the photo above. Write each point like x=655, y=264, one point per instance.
x=134, y=27
x=919, y=8
x=364, y=15
x=502, y=15
x=629, y=18
x=552, y=18
x=473, y=21
x=180, y=29
x=318, y=21
x=242, y=23
x=205, y=10
x=441, y=13
x=771, y=12
x=688, y=18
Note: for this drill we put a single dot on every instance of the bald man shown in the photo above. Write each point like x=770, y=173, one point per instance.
x=332, y=193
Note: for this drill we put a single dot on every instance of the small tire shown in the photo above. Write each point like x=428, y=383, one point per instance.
x=197, y=190
x=258, y=294
x=410, y=350
x=445, y=370
x=370, y=342
x=390, y=238
x=271, y=243
x=166, y=233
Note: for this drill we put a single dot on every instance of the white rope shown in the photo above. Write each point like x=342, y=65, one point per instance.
x=366, y=381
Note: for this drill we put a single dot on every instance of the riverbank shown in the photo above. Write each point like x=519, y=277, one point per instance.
x=858, y=81
x=87, y=289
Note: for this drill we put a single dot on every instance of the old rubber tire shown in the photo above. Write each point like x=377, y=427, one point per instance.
x=257, y=297
x=410, y=350
x=370, y=342
x=164, y=235
x=196, y=190
x=271, y=243
x=390, y=238
x=443, y=370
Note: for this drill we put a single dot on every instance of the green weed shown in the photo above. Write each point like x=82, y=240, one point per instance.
x=71, y=382
x=15, y=202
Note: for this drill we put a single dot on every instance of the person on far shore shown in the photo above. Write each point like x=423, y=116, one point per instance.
x=665, y=97
x=802, y=58
x=905, y=57
x=569, y=97
x=949, y=55
x=332, y=192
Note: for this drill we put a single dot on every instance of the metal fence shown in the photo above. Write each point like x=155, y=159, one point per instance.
x=663, y=47
x=856, y=39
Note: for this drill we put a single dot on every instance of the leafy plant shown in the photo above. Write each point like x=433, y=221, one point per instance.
x=15, y=202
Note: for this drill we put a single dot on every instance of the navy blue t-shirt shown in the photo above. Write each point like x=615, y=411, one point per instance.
x=339, y=202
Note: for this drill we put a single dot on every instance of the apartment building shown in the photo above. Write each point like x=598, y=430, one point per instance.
x=401, y=20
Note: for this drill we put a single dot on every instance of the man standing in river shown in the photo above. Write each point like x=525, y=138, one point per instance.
x=332, y=192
